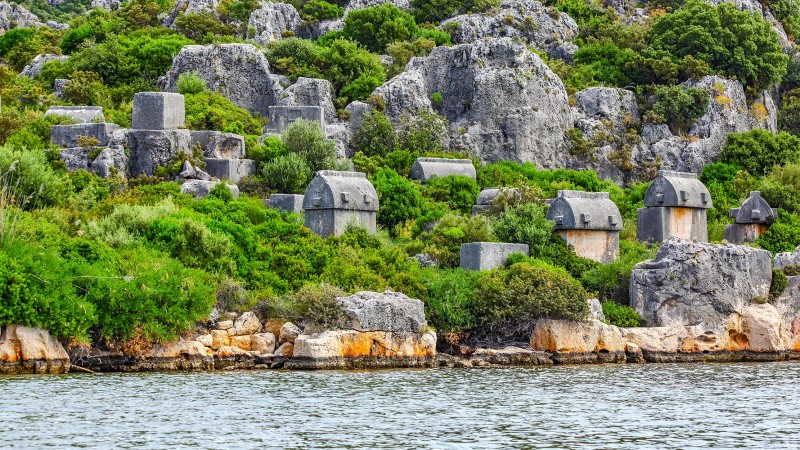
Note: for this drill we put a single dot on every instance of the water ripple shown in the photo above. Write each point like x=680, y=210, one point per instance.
x=695, y=406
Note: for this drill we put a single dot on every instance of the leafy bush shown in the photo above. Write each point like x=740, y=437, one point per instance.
x=191, y=83
x=621, y=315
x=375, y=136
x=443, y=242
x=758, y=151
x=378, y=26
x=778, y=285
x=781, y=189
x=288, y=174
x=400, y=200
x=208, y=110
x=32, y=176
x=611, y=282
x=783, y=235
x=508, y=301
x=321, y=10
x=313, y=304
x=306, y=139
x=733, y=43
x=458, y=192
x=677, y=106
x=449, y=299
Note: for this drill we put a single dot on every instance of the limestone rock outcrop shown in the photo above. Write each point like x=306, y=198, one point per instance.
x=579, y=342
x=690, y=283
x=387, y=311
x=16, y=16
x=240, y=72
x=190, y=7
x=272, y=21
x=502, y=101
x=34, y=68
x=310, y=92
x=529, y=20
x=31, y=350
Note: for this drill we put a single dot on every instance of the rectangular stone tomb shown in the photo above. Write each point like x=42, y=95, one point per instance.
x=216, y=144
x=488, y=255
x=675, y=206
x=281, y=117
x=426, y=168
x=79, y=114
x=286, y=202
x=82, y=134
x=230, y=169
x=751, y=220
x=336, y=200
x=588, y=221
x=158, y=111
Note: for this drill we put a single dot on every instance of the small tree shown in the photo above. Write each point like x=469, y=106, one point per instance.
x=306, y=139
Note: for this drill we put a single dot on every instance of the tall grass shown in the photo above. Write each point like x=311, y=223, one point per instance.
x=12, y=202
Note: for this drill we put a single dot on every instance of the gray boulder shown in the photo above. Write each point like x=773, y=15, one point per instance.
x=787, y=259
x=387, y=311
x=16, y=16
x=109, y=161
x=502, y=101
x=34, y=68
x=190, y=7
x=272, y=21
x=310, y=92
x=528, y=20
x=150, y=149
x=215, y=144
x=691, y=283
x=111, y=5
x=59, y=85
x=76, y=158
x=200, y=188
x=239, y=72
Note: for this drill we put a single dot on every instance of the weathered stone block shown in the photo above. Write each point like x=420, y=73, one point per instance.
x=657, y=224
x=286, y=202
x=336, y=200
x=488, y=255
x=150, y=149
x=597, y=245
x=219, y=145
x=158, y=111
x=426, y=168
x=690, y=283
x=79, y=114
x=230, y=169
x=200, y=188
x=386, y=311
x=76, y=158
x=280, y=117
x=738, y=233
x=487, y=202
x=79, y=134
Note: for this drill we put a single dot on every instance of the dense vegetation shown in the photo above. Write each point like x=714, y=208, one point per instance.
x=126, y=262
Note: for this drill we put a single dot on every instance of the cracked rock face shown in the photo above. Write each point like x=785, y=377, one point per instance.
x=240, y=72
x=530, y=20
x=16, y=16
x=502, y=101
x=190, y=7
x=690, y=283
x=272, y=20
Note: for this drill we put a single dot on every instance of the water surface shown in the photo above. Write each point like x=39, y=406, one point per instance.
x=748, y=405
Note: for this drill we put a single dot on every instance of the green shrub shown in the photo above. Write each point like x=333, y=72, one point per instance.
x=313, y=304
x=779, y=284
x=424, y=133
x=459, y=192
x=781, y=189
x=449, y=299
x=32, y=176
x=734, y=43
x=611, y=282
x=443, y=242
x=191, y=83
x=208, y=110
x=128, y=223
x=378, y=26
x=305, y=138
x=193, y=244
x=375, y=136
x=508, y=301
x=758, y=151
x=677, y=106
x=783, y=235
x=288, y=174
x=321, y=10
x=621, y=315
x=400, y=200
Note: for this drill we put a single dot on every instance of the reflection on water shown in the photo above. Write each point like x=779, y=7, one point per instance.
x=612, y=406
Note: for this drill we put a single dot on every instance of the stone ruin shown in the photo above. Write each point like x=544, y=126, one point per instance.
x=588, y=221
x=156, y=139
x=335, y=200
x=675, y=205
x=488, y=255
x=426, y=168
x=751, y=219
x=487, y=202
x=286, y=202
x=281, y=117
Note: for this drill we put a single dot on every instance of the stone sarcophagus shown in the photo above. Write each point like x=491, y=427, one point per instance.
x=751, y=219
x=675, y=205
x=281, y=117
x=491, y=200
x=426, y=168
x=336, y=200
x=588, y=221
x=488, y=255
